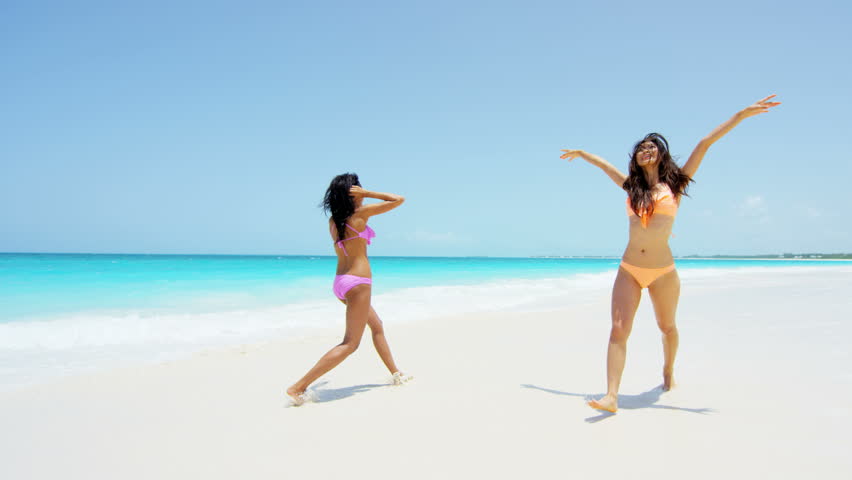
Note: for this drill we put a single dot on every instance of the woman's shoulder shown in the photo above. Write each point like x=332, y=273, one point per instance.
x=356, y=221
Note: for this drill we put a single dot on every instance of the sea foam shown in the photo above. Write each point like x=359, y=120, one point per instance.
x=36, y=350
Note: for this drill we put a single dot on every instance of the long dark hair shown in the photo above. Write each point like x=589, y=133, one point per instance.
x=338, y=202
x=638, y=190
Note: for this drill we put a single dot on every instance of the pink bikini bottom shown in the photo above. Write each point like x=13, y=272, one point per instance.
x=344, y=283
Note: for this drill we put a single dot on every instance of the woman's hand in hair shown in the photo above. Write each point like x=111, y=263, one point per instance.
x=758, y=107
x=390, y=201
x=356, y=191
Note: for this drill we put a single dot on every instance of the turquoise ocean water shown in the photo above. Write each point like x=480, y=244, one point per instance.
x=68, y=313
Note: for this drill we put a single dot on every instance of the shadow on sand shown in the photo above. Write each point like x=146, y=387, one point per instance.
x=647, y=399
x=331, y=394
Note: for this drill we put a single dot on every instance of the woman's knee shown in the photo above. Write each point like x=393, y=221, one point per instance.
x=667, y=328
x=619, y=333
x=376, y=327
x=349, y=346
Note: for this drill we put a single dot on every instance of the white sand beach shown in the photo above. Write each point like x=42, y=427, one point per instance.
x=764, y=391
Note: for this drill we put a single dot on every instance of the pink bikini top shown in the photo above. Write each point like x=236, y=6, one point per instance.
x=367, y=234
x=664, y=204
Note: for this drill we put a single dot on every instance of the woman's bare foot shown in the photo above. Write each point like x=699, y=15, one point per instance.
x=668, y=380
x=297, y=397
x=400, y=378
x=607, y=403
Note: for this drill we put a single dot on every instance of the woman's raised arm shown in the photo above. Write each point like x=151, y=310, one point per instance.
x=390, y=202
x=761, y=106
x=599, y=162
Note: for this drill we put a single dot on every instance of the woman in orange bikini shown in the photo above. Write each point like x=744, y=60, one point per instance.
x=654, y=187
x=353, y=283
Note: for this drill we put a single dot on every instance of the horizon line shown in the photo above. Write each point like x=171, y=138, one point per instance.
x=785, y=255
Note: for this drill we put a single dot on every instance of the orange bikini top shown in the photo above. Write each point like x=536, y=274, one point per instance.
x=664, y=204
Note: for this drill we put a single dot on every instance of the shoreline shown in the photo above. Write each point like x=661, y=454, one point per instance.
x=326, y=255
x=91, y=344
x=498, y=394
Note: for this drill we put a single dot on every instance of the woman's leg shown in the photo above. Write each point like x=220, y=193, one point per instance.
x=357, y=313
x=379, y=340
x=665, y=293
x=626, y=294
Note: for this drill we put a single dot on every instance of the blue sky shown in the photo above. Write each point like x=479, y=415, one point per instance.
x=215, y=127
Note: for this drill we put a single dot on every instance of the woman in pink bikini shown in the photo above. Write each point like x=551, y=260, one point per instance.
x=654, y=188
x=352, y=284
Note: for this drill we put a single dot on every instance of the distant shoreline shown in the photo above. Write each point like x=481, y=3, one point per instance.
x=785, y=257
x=808, y=257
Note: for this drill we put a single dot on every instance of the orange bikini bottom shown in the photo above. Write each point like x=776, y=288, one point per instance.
x=646, y=276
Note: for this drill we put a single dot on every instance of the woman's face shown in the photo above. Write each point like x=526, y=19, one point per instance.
x=647, y=154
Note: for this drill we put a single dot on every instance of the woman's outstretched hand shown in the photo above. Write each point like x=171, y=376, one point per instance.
x=597, y=161
x=570, y=154
x=761, y=106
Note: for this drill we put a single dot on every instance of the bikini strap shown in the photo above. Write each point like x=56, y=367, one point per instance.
x=360, y=235
x=342, y=247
